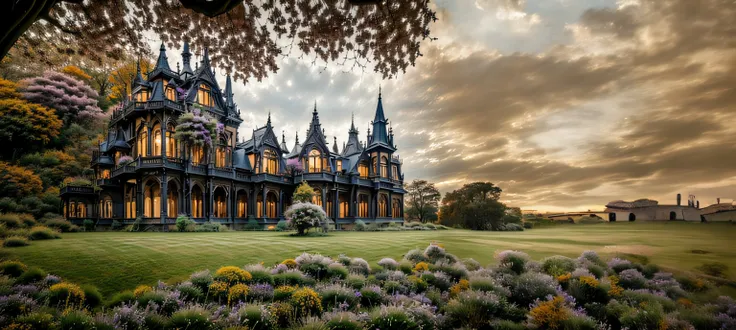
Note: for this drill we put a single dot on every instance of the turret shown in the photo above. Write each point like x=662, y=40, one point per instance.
x=186, y=57
x=380, y=134
x=163, y=61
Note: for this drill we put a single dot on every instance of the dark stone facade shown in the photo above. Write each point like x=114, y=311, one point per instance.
x=237, y=179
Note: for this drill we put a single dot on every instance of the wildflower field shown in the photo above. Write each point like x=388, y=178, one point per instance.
x=116, y=261
x=427, y=288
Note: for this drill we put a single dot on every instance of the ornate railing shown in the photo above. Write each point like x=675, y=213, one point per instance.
x=123, y=169
x=197, y=169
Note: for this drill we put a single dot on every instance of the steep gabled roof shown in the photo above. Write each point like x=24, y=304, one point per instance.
x=353, y=145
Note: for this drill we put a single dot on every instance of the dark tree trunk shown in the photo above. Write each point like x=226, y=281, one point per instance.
x=16, y=18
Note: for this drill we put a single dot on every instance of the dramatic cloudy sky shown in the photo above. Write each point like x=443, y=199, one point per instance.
x=565, y=104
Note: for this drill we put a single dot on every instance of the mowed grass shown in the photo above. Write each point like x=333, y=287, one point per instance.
x=115, y=261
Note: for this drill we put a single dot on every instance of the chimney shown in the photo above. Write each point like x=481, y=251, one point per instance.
x=679, y=199
x=697, y=205
x=718, y=200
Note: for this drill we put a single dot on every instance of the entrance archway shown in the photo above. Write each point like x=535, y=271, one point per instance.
x=612, y=217
x=673, y=215
x=632, y=217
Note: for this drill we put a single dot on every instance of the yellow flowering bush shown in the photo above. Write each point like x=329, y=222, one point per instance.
x=589, y=281
x=421, y=266
x=306, y=302
x=141, y=290
x=290, y=263
x=685, y=302
x=550, y=314
x=462, y=285
x=615, y=290
x=237, y=293
x=67, y=294
x=564, y=277
x=232, y=275
x=283, y=292
x=219, y=289
x=282, y=313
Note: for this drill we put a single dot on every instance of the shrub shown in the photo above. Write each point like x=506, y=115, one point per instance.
x=355, y=281
x=232, y=275
x=260, y=292
x=237, y=293
x=35, y=321
x=644, y=316
x=359, y=225
x=528, y=287
x=191, y=318
x=306, y=302
x=513, y=227
x=74, y=319
x=42, y=232
x=141, y=290
x=618, y=265
x=371, y=296
x=587, y=289
x=359, y=266
x=120, y=298
x=283, y=292
x=391, y=318
x=631, y=279
x=549, y=314
x=255, y=317
x=259, y=274
x=218, y=289
x=344, y=321
x=201, y=279
x=66, y=294
x=282, y=225
x=63, y=225
x=12, y=268
x=11, y=220
x=128, y=317
x=405, y=266
x=471, y=264
x=291, y=263
x=513, y=260
x=557, y=265
x=717, y=269
x=415, y=256
x=33, y=274
x=337, y=270
x=388, y=263
x=89, y=225
x=15, y=241
x=473, y=310
x=184, y=223
x=293, y=277
x=189, y=291
x=371, y=227
x=337, y=295
x=252, y=225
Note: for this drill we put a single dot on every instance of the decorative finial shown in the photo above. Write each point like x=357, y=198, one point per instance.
x=379, y=91
x=177, y=67
x=297, y=137
x=162, y=46
x=315, y=105
x=269, y=119
x=283, y=136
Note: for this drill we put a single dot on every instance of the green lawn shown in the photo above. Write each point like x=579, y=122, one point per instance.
x=117, y=260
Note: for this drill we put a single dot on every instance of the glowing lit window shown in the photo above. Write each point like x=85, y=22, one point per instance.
x=270, y=161
x=156, y=140
x=317, y=197
x=315, y=161
x=204, y=95
x=363, y=206
x=363, y=170
x=338, y=165
x=172, y=148
x=382, y=206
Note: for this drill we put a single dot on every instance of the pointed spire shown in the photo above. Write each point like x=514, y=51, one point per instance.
x=268, y=123
x=163, y=60
x=334, y=145
x=206, y=57
x=138, y=80
x=297, y=137
x=283, y=146
x=380, y=134
x=229, y=92
x=314, y=125
x=186, y=56
x=352, y=126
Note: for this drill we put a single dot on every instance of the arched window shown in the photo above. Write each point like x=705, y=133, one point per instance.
x=673, y=215
x=222, y=154
x=395, y=172
x=204, y=95
x=363, y=206
x=66, y=208
x=242, y=204
x=315, y=161
x=384, y=167
x=396, y=208
x=374, y=164
x=344, y=211
x=220, y=207
x=270, y=161
x=317, y=197
x=152, y=200
x=338, y=165
x=271, y=201
x=172, y=200
x=142, y=142
x=81, y=210
x=197, y=155
x=72, y=209
x=197, y=207
x=330, y=206
x=259, y=206
x=170, y=91
x=106, y=207
x=130, y=209
x=382, y=206
x=172, y=146
x=156, y=140
x=363, y=170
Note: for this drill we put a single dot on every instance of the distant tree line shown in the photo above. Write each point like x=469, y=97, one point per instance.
x=475, y=206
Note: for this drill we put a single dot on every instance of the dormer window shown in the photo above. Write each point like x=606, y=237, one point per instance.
x=142, y=95
x=270, y=161
x=363, y=170
x=204, y=96
x=170, y=91
x=338, y=165
x=315, y=161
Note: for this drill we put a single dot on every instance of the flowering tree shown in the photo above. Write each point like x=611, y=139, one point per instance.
x=303, y=216
x=195, y=129
x=18, y=181
x=73, y=100
x=353, y=33
x=303, y=193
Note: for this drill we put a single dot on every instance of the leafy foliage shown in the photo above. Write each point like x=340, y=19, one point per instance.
x=303, y=216
x=196, y=129
x=474, y=206
x=303, y=193
x=25, y=125
x=422, y=200
x=18, y=181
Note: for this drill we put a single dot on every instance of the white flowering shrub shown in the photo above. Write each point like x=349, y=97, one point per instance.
x=303, y=216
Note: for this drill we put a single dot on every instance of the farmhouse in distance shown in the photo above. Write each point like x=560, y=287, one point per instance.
x=142, y=170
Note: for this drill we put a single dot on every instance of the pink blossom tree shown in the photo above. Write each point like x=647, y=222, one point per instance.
x=73, y=100
x=195, y=129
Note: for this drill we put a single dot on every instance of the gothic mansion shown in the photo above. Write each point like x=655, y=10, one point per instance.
x=239, y=179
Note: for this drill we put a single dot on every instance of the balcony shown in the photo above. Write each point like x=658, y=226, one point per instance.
x=266, y=177
x=197, y=169
x=120, y=170
x=77, y=190
x=222, y=172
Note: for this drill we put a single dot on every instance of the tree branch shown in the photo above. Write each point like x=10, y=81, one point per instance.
x=53, y=21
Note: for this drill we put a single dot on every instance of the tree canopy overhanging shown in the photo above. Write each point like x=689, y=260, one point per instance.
x=244, y=37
